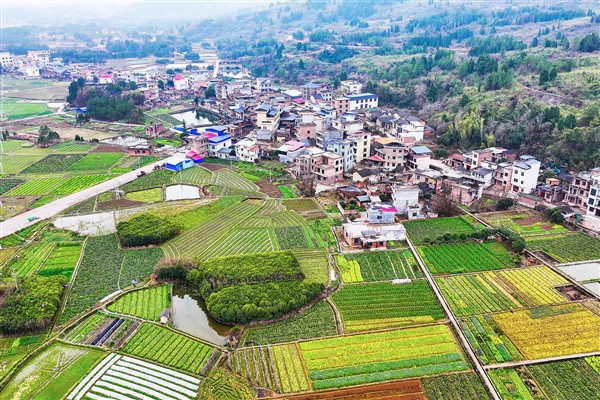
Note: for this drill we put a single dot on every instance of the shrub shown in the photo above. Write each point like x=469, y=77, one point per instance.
x=146, y=229
x=504, y=204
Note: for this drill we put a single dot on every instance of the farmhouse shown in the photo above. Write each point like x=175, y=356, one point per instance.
x=370, y=236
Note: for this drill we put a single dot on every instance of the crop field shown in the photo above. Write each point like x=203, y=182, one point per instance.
x=376, y=357
x=53, y=163
x=525, y=223
x=349, y=269
x=463, y=386
x=166, y=118
x=89, y=286
x=149, y=181
x=254, y=364
x=205, y=234
x=420, y=230
x=138, y=264
x=62, y=260
x=145, y=304
x=17, y=108
x=567, y=248
x=13, y=164
x=33, y=257
x=81, y=331
x=567, y=380
x=287, y=218
x=73, y=147
x=146, y=196
x=241, y=241
x=594, y=362
x=384, y=265
x=486, y=338
x=551, y=331
x=221, y=384
x=96, y=162
x=464, y=257
x=292, y=376
x=6, y=185
x=229, y=179
x=167, y=347
x=50, y=374
x=306, y=207
x=405, y=390
x=535, y=285
x=286, y=192
x=475, y=294
x=314, y=264
x=78, y=183
x=37, y=186
x=125, y=378
x=318, y=321
x=194, y=175
x=384, y=305
x=509, y=384
x=291, y=237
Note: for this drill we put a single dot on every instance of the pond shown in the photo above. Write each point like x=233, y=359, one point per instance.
x=191, y=316
x=182, y=192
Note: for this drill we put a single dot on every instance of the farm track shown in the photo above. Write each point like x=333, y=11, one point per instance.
x=540, y=360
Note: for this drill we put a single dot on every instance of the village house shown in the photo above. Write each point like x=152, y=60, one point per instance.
x=247, y=150
x=372, y=236
x=141, y=150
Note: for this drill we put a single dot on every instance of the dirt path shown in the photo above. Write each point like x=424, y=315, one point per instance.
x=338, y=318
x=540, y=360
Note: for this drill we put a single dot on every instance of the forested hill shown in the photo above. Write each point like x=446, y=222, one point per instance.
x=528, y=73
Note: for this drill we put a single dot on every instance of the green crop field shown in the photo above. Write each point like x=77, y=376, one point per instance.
x=475, y=294
x=37, y=186
x=170, y=348
x=166, y=118
x=465, y=257
x=287, y=192
x=518, y=222
x=535, y=286
x=6, y=185
x=420, y=230
x=292, y=377
x=567, y=248
x=375, y=357
x=306, y=207
x=568, y=380
x=464, y=386
x=96, y=162
x=490, y=344
x=62, y=260
x=17, y=108
x=229, y=179
x=509, y=384
x=153, y=180
x=241, y=241
x=253, y=364
x=314, y=264
x=31, y=259
x=317, y=322
x=73, y=147
x=103, y=253
x=145, y=304
x=146, y=196
x=384, y=305
x=53, y=163
x=78, y=183
x=383, y=265
x=195, y=175
x=13, y=164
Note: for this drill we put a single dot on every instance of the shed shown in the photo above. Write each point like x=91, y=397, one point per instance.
x=165, y=316
x=179, y=165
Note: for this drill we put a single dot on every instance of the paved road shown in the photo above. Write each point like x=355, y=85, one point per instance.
x=49, y=210
x=455, y=324
x=540, y=360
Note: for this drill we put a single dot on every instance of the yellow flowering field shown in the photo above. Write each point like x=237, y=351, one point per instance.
x=535, y=285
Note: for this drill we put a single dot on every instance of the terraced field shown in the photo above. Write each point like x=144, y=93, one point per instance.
x=229, y=179
x=146, y=304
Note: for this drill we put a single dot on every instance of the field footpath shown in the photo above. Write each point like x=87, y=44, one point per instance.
x=51, y=209
x=540, y=360
x=454, y=321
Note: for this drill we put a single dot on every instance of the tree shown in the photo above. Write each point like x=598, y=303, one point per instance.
x=301, y=65
x=47, y=135
x=192, y=56
x=73, y=89
x=504, y=204
x=210, y=92
x=555, y=216
x=80, y=82
x=160, y=84
x=131, y=85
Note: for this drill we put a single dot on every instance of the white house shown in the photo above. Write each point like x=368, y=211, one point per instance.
x=593, y=201
x=351, y=87
x=218, y=146
x=181, y=82
x=6, y=59
x=362, y=101
x=525, y=174
x=246, y=150
x=412, y=127
x=105, y=79
x=289, y=151
x=405, y=198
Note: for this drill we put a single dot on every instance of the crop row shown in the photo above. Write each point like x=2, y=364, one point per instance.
x=229, y=179
x=551, y=331
x=254, y=363
x=241, y=241
x=81, y=331
x=146, y=304
x=567, y=248
x=32, y=259
x=291, y=237
x=96, y=161
x=535, y=285
x=474, y=294
x=314, y=264
x=167, y=347
x=462, y=257
x=488, y=341
x=350, y=269
x=195, y=175
x=37, y=186
x=464, y=386
x=420, y=230
x=384, y=305
x=385, y=265
x=78, y=183
x=292, y=377
x=62, y=260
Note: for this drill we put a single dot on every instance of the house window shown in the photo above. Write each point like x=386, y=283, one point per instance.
x=593, y=192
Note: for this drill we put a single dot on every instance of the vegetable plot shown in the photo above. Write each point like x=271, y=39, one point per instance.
x=383, y=265
x=465, y=386
x=488, y=341
x=170, y=348
x=126, y=378
x=376, y=357
x=146, y=304
x=383, y=305
x=567, y=248
x=421, y=230
x=464, y=257
x=567, y=380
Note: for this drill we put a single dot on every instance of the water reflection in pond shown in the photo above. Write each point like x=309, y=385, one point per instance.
x=190, y=315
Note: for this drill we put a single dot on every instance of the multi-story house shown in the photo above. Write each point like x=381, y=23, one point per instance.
x=324, y=137
x=247, y=150
x=503, y=176
x=418, y=157
x=578, y=190
x=264, y=85
x=412, y=127
x=267, y=117
x=390, y=153
x=474, y=158
x=593, y=200
x=362, y=101
x=351, y=87
x=218, y=146
x=341, y=105
x=326, y=167
x=362, y=144
x=525, y=174
x=344, y=148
